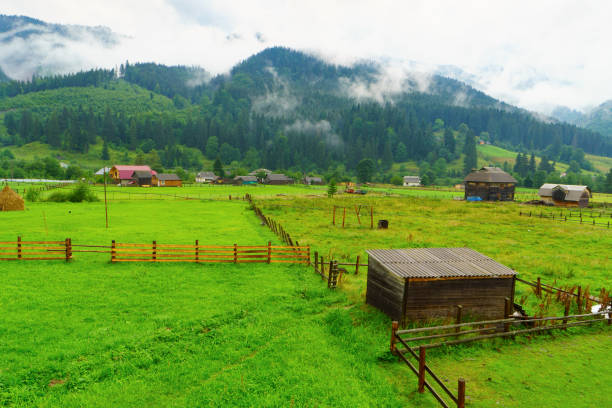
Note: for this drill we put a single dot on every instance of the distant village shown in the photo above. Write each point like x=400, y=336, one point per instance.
x=485, y=184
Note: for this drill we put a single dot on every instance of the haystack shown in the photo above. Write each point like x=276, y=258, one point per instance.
x=10, y=200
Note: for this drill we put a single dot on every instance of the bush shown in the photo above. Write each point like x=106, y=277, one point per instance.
x=77, y=195
x=32, y=195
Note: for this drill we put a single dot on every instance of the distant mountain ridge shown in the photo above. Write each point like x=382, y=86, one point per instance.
x=598, y=119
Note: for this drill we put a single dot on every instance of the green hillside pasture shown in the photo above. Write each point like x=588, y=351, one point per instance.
x=121, y=96
x=601, y=163
x=569, y=253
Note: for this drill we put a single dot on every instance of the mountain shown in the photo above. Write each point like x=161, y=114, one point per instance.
x=33, y=47
x=598, y=119
x=279, y=109
x=3, y=76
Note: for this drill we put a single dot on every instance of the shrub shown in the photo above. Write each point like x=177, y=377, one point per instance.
x=77, y=195
x=32, y=195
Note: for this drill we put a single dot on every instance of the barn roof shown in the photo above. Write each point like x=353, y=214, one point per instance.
x=278, y=176
x=572, y=192
x=168, y=177
x=125, y=171
x=490, y=175
x=245, y=178
x=208, y=174
x=412, y=179
x=141, y=174
x=439, y=263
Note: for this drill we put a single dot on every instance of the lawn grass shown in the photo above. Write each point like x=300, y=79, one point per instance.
x=91, y=333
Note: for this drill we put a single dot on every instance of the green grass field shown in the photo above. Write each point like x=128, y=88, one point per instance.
x=91, y=333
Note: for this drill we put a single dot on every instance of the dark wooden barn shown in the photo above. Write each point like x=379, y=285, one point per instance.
x=427, y=283
x=142, y=178
x=490, y=184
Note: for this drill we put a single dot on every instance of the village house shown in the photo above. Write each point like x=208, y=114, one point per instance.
x=206, y=177
x=277, y=179
x=313, y=181
x=124, y=174
x=565, y=195
x=412, y=181
x=167, y=180
x=489, y=184
x=240, y=180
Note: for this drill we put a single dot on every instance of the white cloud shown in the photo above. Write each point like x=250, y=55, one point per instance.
x=534, y=54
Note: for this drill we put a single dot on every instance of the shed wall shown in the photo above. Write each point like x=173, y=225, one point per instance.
x=480, y=298
x=385, y=290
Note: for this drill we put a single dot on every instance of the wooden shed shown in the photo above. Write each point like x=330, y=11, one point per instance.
x=565, y=195
x=142, y=178
x=426, y=283
x=490, y=184
x=166, y=180
x=278, y=179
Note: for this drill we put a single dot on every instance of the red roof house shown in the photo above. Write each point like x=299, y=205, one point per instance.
x=124, y=173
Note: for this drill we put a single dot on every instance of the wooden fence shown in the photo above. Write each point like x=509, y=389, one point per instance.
x=595, y=221
x=154, y=252
x=36, y=250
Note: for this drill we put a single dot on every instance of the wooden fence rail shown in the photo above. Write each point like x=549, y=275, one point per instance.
x=565, y=218
x=155, y=252
x=21, y=250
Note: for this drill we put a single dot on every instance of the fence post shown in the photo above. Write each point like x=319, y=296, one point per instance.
x=334, y=216
x=154, y=251
x=507, y=313
x=322, y=264
x=461, y=393
x=235, y=253
x=357, y=266
x=68, y=245
x=19, y=247
x=308, y=249
x=197, y=244
x=316, y=265
x=566, y=312
x=458, y=319
x=269, y=251
x=113, y=246
x=343, y=216
x=421, y=369
x=371, y=217
x=578, y=300
x=539, y=288
x=394, y=327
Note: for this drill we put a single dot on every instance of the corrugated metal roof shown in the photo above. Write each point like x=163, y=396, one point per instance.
x=436, y=263
x=572, y=192
x=168, y=177
x=490, y=175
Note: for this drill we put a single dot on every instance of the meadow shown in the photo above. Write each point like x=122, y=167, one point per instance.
x=91, y=333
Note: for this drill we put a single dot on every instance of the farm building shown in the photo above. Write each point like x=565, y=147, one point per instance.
x=412, y=181
x=425, y=283
x=313, y=181
x=10, y=200
x=240, y=180
x=277, y=179
x=166, y=180
x=206, y=177
x=564, y=195
x=102, y=171
x=489, y=184
x=142, y=178
x=124, y=174
x=258, y=171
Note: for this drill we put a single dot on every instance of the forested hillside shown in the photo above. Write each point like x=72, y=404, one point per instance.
x=280, y=109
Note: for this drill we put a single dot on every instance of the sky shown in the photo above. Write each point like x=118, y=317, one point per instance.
x=536, y=54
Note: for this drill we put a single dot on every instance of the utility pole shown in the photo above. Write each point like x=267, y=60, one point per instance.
x=105, y=202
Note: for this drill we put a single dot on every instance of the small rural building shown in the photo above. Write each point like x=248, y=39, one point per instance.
x=206, y=177
x=424, y=283
x=123, y=174
x=258, y=171
x=10, y=200
x=565, y=195
x=240, y=180
x=142, y=178
x=166, y=180
x=412, y=181
x=102, y=171
x=313, y=181
x=490, y=184
x=277, y=179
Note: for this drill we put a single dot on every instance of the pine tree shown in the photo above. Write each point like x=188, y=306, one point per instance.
x=218, y=168
x=470, y=161
x=532, y=163
x=449, y=140
x=331, y=188
x=105, y=154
